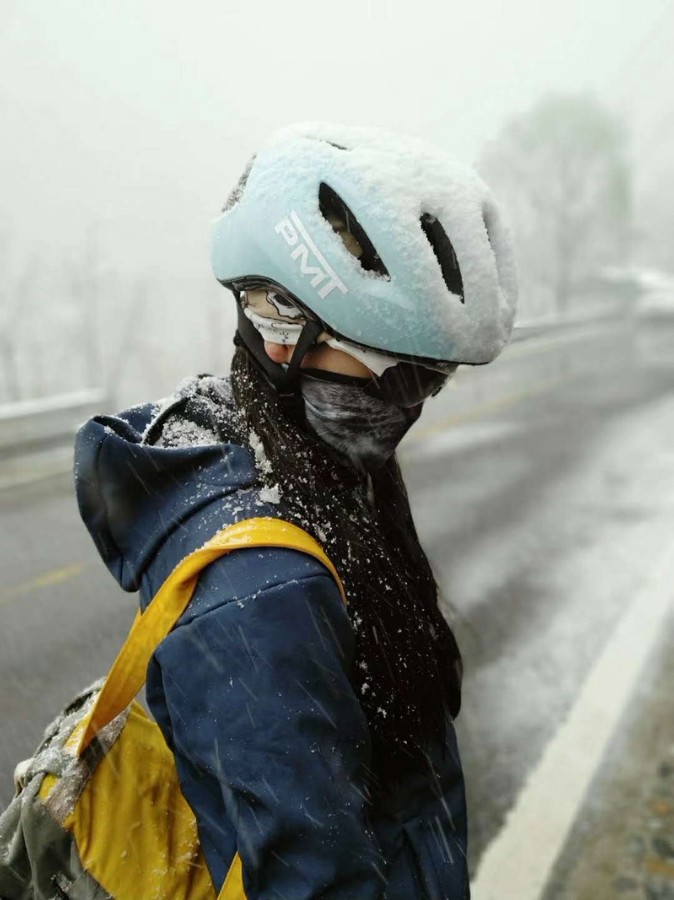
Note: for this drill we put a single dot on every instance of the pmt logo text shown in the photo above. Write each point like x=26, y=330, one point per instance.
x=311, y=261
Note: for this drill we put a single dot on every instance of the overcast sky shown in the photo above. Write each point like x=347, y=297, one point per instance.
x=137, y=115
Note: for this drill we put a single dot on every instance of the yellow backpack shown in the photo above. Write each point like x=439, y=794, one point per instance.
x=99, y=814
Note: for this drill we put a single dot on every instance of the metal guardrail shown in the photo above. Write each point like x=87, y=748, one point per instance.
x=46, y=421
x=36, y=435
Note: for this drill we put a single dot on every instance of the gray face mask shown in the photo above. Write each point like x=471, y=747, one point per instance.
x=364, y=429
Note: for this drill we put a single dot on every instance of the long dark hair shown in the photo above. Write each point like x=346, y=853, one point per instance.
x=408, y=670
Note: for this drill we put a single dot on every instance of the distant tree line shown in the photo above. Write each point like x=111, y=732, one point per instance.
x=563, y=174
x=60, y=330
x=82, y=324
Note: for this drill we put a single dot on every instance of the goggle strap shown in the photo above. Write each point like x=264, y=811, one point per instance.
x=284, y=380
x=307, y=339
x=249, y=337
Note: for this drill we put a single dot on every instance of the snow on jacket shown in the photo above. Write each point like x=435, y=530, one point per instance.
x=252, y=688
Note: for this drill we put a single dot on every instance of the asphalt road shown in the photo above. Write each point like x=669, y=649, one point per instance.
x=543, y=488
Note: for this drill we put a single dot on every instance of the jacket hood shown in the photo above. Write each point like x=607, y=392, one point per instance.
x=133, y=496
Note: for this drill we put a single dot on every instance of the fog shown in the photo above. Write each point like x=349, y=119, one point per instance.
x=125, y=123
x=542, y=485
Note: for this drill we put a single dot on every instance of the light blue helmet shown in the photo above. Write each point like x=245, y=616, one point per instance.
x=435, y=281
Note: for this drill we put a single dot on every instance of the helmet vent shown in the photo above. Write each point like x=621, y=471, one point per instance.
x=485, y=221
x=444, y=253
x=239, y=187
x=329, y=143
x=335, y=211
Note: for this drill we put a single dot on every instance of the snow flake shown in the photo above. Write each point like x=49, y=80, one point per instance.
x=271, y=494
x=261, y=460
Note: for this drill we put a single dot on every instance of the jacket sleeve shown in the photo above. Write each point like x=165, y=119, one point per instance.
x=267, y=731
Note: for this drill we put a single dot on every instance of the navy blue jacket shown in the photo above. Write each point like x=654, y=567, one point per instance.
x=252, y=688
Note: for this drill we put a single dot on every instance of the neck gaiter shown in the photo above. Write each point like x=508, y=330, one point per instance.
x=364, y=429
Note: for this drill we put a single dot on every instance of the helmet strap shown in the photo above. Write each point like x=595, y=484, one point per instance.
x=307, y=339
x=283, y=379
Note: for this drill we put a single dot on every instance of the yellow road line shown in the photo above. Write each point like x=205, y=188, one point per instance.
x=56, y=576
x=484, y=409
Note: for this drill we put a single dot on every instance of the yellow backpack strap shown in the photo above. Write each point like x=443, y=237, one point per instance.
x=233, y=888
x=127, y=675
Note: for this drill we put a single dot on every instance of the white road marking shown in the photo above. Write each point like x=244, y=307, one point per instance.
x=519, y=860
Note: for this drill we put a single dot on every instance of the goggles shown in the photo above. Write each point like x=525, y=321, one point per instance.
x=408, y=384
x=404, y=385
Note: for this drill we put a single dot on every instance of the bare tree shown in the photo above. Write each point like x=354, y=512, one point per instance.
x=16, y=294
x=655, y=194
x=126, y=344
x=563, y=173
x=75, y=327
x=86, y=290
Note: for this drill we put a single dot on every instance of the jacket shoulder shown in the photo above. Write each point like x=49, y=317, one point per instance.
x=135, y=495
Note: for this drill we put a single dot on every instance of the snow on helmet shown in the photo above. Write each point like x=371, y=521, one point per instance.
x=434, y=280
